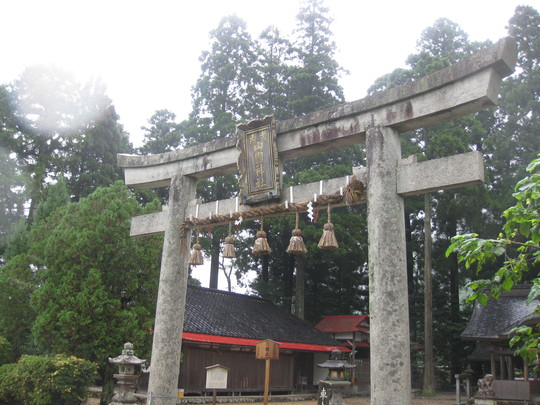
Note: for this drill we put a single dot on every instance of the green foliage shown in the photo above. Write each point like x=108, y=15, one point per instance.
x=17, y=284
x=46, y=380
x=11, y=192
x=521, y=232
x=56, y=195
x=97, y=284
x=7, y=385
x=52, y=124
x=6, y=351
x=313, y=83
x=162, y=134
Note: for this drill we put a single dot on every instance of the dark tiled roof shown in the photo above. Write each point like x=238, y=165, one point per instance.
x=343, y=323
x=221, y=313
x=497, y=319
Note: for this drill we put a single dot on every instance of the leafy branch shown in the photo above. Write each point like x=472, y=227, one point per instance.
x=521, y=232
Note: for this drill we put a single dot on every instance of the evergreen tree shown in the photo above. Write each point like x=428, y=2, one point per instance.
x=18, y=282
x=224, y=93
x=61, y=126
x=514, y=142
x=97, y=285
x=56, y=196
x=314, y=80
x=11, y=197
x=274, y=69
x=162, y=133
x=223, y=96
x=45, y=115
x=91, y=155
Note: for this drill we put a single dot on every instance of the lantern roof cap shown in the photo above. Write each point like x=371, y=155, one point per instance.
x=127, y=357
x=340, y=364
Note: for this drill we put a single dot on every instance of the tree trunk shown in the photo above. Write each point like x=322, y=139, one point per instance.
x=214, y=263
x=410, y=275
x=264, y=268
x=455, y=343
x=300, y=286
x=289, y=283
x=429, y=371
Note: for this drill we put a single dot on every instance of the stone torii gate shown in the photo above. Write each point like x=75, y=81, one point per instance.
x=461, y=89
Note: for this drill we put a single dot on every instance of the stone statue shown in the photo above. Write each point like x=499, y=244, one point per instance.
x=484, y=388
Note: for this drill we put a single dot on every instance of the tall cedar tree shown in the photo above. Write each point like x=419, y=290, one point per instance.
x=12, y=195
x=223, y=95
x=61, y=126
x=333, y=280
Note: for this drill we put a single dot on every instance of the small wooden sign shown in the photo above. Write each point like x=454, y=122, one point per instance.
x=258, y=162
x=267, y=349
x=216, y=377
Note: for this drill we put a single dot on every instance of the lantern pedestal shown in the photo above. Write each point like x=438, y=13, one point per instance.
x=330, y=392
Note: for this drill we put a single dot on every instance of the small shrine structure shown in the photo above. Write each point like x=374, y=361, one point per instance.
x=491, y=328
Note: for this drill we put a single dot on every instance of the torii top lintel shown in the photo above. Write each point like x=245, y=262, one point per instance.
x=464, y=88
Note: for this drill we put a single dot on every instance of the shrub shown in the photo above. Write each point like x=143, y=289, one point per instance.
x=6, y=351
x=7, y=385
x=47, y=380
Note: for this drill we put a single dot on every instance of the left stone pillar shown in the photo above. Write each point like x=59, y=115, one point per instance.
x=171, y=301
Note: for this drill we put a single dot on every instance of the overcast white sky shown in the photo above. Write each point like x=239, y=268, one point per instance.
x=146, y=52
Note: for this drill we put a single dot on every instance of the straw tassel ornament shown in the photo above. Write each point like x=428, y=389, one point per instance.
x=296, y=245
x=354, y=191
x=261, y=246
x=328, y=239
x=196, y=258
x=228, y=248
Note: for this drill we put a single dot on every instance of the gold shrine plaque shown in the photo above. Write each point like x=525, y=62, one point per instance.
x=258, y=161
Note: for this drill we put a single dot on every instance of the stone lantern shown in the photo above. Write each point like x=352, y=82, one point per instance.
x=126, y=377
x=330, y=389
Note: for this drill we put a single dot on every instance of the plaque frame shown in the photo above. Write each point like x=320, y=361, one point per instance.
x=258, y=161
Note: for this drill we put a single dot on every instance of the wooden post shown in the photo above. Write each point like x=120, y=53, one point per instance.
x=266, y=381
x=267, y=350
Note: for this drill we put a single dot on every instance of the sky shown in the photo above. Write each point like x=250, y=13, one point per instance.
x=147, y=52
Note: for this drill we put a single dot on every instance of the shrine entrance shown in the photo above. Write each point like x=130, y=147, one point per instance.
x=378, y=120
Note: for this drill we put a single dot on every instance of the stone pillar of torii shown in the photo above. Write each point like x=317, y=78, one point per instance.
x=464, y=88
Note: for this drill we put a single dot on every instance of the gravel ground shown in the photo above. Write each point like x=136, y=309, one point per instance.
x=440, y=399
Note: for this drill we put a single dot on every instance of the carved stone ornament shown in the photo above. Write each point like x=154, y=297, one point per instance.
x=258, y=161
x=485, y=391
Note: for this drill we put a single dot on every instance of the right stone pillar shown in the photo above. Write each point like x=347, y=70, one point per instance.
x=388, y=294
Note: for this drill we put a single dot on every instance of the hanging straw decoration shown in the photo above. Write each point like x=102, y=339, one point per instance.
x=228, y=248
x=353, y=191
x=261, y=246
x=297, y=246
x=196, y=258
x=328, y=239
